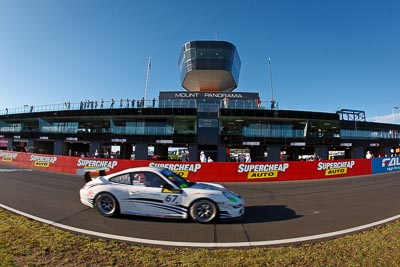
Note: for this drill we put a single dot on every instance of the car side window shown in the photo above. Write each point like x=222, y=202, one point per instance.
x=153, y=180
x=138, y=178
x=122, y=179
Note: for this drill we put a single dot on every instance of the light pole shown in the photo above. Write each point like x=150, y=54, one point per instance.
x=393, y=113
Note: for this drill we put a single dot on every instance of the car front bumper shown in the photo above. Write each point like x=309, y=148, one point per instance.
x=230, y=211
x=85, y=199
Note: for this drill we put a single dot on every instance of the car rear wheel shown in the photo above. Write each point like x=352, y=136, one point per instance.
x=107, y=205
x=203, y=211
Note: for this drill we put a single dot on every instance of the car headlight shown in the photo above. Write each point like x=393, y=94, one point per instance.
x=230, y=196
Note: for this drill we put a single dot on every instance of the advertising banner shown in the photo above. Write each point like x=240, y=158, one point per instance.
x=213, y=171
x=8, y=156
x=387, y=164
x=268, y=171
x=3, y=142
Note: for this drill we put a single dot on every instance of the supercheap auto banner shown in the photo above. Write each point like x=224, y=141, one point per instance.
x=208, y=172
x=268, y=171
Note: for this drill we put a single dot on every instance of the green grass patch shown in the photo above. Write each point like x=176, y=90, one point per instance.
x=24, y=242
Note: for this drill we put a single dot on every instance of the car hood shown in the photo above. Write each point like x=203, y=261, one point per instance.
x=208, y=186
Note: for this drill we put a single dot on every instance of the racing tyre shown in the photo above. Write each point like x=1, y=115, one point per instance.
x=203, y=211
x=107, y=205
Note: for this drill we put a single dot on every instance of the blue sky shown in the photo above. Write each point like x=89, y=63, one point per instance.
x=325, y=55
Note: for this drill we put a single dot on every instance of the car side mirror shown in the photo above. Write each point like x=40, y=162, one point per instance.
x=87, y=177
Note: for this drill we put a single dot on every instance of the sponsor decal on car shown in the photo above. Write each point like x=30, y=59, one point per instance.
x=42, y=161
x=258, y=171
x=171, y=191
x=335, y=168
x=85, y=163
x=182, y=169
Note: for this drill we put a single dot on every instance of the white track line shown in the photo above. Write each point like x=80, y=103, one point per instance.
x=204, y=245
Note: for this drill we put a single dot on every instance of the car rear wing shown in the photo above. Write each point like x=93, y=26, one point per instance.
x=87, y=172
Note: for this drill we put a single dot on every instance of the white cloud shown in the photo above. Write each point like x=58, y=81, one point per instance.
x=387, y=118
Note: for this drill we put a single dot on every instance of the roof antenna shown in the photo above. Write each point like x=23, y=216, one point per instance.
x=216, y=36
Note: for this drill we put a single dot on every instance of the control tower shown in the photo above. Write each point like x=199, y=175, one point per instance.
x=209, y=66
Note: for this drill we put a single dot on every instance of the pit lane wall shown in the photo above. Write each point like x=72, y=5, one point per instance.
x=215, y=171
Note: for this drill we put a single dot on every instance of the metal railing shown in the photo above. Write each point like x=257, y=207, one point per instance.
x=132, y=103
x=371, y=135
x=279, y=133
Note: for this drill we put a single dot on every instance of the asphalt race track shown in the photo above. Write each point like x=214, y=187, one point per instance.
x=276, y=213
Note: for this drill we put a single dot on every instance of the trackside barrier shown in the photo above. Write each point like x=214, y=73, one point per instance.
x=387, y=164
x=215, y=171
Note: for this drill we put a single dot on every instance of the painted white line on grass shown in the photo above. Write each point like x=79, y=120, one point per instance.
x=204, y=245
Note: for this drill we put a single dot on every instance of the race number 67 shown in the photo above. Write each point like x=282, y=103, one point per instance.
x=171, y=198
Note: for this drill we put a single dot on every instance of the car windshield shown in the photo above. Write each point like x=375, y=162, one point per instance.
x=176, y=179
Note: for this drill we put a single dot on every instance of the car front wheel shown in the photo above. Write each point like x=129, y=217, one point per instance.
x=107, y=205
x=203, y=211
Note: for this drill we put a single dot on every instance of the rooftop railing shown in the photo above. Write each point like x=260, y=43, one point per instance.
x=132, y=103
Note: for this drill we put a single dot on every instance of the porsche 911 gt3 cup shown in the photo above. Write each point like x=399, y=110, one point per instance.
x=159, y=192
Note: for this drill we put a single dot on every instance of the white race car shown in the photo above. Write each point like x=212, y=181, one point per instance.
x=159, y=192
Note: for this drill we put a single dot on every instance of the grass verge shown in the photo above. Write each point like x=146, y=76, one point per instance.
x=24, y=242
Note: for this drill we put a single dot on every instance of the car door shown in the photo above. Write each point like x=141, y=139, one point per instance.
x=121, y=187
x=152, y=199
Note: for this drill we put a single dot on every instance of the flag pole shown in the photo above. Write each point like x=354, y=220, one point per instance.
x=270, y=76
x=273, y=102
x=147, y=78
x=393, y=116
